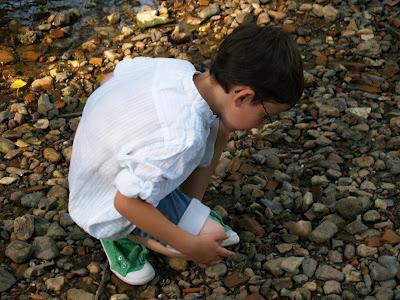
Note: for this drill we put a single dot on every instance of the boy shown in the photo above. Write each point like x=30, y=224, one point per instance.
x=152, y=134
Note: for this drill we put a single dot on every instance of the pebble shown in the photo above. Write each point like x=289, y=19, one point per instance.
x=79, y=294
x=302, y=228
x=332, y=287
x=55, y=284
x=19, y=251
x=178, y=264
x=44, y=83
x=291, y=264
x=45, y=248
x=349, y=207
x=24, y=227
x=51, y=155
x=7, y=280
x=216, y=271
x=211, y=10
x=325, y=272
x=365, y=251
x=309, y=265
x=323, y=232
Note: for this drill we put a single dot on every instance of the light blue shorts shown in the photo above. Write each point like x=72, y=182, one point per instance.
x=185, y=212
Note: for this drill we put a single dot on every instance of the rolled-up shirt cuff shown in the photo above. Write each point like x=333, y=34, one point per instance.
x=194, y=217
x=132, y=186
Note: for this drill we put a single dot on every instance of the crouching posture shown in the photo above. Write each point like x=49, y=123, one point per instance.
x=151, y=136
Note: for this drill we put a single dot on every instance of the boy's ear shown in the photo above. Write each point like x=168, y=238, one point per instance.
x=243, y=94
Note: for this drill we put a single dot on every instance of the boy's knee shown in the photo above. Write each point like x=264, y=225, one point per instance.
x=210, y=226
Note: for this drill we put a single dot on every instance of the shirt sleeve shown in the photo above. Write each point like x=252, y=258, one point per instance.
x=155, y=171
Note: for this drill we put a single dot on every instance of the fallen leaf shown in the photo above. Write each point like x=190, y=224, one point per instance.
x=17, y=84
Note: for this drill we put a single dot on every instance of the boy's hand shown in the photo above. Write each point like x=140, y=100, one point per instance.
x=206, y=249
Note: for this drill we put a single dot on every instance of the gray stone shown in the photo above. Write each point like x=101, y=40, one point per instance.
x=391, y=263
x=309, y=266
x=7, y=280
x=371, y=216
x=384, y=294
x=44, y=247
x=19, y=251
x=55, y=231
x=44, y=104
x=66, y=220
x=78, y=294
x=24, y=227
x=379, y=272
x=349, y=251
x=349, y=207
x=32, y=199
x=323, y=232
x=325, y=272
x=356, y=227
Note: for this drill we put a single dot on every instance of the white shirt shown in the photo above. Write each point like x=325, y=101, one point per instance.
x=142, y=133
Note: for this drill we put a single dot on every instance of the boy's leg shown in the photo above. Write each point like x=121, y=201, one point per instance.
x=189, y=214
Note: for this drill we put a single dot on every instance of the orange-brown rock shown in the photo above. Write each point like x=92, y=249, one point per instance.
x=373, y=241
x=390, y=237
x=97, y=61
x=6, y=57
x=235, y=279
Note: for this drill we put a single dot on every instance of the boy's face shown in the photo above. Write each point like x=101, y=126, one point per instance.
x=242, y=114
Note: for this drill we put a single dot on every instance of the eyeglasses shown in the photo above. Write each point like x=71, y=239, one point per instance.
x=267, y=115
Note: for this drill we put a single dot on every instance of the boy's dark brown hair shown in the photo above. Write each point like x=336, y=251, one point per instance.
x=265, y=58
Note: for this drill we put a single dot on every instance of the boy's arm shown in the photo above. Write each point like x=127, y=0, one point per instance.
x=196, y=184
x=202, y=249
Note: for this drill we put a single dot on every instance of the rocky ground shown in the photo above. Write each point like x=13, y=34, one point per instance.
x=314, y=195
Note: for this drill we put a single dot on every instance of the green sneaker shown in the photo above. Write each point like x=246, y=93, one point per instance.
x=128, y=261
x=233, y=237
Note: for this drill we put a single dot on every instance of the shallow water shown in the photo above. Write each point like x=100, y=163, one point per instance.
x=28, y=12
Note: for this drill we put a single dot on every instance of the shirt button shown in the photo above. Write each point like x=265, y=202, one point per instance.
x=120, y=257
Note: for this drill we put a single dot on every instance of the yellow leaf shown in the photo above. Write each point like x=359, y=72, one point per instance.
x=19, y=83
